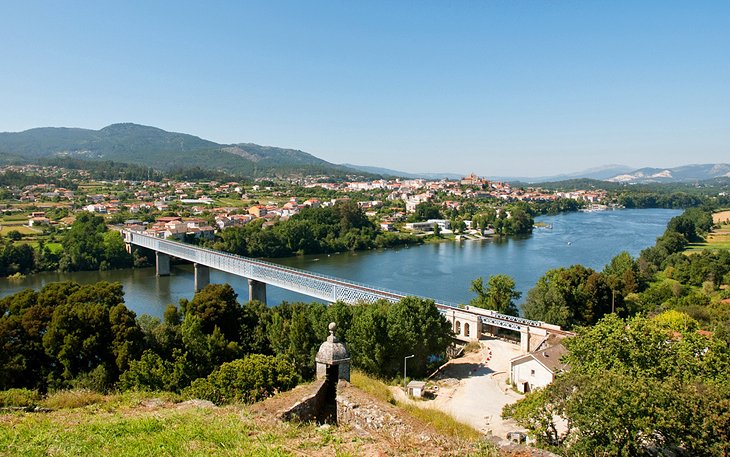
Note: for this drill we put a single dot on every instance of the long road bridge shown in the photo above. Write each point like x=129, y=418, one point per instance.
x=467, y=322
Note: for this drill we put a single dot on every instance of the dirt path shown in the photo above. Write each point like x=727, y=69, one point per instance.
x=473, y=389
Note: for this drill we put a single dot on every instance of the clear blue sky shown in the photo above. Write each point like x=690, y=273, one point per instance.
x=496, y=87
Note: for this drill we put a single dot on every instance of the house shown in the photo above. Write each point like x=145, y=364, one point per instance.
x=38, y=221
x=539, y=367
x=257, y=210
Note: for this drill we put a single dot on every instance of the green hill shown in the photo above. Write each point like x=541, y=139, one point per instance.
x=157, y=148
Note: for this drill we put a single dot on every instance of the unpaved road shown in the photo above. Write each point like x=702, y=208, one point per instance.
x=473, y=388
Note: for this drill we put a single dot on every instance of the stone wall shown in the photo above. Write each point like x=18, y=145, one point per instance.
x=308, y=408
x=367, y=415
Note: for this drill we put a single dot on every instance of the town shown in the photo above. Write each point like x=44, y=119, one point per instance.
x=198, y=209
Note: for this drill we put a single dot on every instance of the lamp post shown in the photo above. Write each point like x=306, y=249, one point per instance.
x=405, y=366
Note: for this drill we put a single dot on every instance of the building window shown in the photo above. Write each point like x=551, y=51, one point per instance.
x=466, y=329
x=532, y=372
x=458, y=327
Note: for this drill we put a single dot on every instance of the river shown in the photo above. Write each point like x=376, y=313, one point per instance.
x=443, y=271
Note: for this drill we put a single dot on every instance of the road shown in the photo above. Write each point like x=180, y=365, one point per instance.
x=473, y=388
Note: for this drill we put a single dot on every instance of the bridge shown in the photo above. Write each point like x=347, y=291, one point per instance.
x=468, y=323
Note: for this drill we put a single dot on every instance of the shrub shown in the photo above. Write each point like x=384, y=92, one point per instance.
x=472, y=346
x=249, y=379
x=68, y=399
x=19, y=397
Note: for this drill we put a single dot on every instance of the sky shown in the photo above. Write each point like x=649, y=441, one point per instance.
x=499, y=88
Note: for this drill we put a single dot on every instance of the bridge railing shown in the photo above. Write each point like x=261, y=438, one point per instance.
x=247, y=267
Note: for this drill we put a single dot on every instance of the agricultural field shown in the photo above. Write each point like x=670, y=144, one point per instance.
x=719, y=237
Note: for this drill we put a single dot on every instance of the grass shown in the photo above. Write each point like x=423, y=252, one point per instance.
x=439, y=420
x=719, y=238
x=24, y=229
x=231, y=202
x=67, y=399
x=372, y=386
x=124, y=425
x=147, y=424
x=191, y=432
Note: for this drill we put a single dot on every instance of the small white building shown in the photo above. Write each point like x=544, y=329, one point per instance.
x=537, y=368
x=415, y=388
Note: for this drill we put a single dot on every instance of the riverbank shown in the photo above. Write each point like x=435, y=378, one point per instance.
x=440, y=270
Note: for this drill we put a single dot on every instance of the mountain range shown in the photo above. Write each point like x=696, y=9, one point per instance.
x=159, y=149
x=685, y=173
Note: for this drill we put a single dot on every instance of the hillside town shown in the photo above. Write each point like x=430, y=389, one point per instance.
x=174, y=209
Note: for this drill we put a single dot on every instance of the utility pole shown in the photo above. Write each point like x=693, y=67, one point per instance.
x=405, y=366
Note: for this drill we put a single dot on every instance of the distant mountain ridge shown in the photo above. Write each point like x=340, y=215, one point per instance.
x=157, y=148
x=685, y=173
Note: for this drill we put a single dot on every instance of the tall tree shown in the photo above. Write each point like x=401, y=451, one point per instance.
x=499, y=294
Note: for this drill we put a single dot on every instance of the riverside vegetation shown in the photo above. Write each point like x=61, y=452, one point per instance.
x=650, y=378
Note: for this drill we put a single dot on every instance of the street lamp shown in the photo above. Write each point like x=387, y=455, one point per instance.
x=405, y=366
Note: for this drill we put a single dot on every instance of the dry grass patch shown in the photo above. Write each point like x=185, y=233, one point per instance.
x=69, y=399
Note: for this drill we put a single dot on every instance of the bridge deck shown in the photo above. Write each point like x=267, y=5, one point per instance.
x=323, y=287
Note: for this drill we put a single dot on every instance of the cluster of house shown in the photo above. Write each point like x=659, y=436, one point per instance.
x=416, y=191
x=173, y=227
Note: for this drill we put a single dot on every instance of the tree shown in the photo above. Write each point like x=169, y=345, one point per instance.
x=216, y=306
x=415, y=326
x=635, y=388
x=498, y=295
x=425, y=211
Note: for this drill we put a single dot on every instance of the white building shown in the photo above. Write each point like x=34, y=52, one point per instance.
x=537, y=368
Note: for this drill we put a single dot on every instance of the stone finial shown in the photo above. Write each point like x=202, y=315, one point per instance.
x=332, y=338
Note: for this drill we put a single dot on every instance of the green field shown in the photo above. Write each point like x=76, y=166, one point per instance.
x=20, y=227
x=719, y=238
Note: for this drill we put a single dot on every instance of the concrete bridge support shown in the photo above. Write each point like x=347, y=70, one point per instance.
x=202, y=277
x=163, y=264
x=525, y=339
x=257, y=291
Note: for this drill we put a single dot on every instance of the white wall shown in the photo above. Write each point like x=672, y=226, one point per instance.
x=522, y=371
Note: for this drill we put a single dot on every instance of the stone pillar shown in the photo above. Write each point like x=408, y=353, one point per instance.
x=525, y=339
x=202, y=277
x=163, y=264
x=257, y=291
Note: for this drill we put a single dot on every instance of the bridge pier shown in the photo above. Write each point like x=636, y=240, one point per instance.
x=525, y=339
x=257, y=291
x=202, y=277
x=163, y=264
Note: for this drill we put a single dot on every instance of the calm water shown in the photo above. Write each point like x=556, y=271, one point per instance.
x=443, y=271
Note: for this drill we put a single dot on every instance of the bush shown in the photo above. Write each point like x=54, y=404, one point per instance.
x=247, y=380
x=472, y=346
x=19, y=397
x=68, y=399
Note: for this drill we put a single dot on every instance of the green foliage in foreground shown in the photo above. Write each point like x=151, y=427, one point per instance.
x=191, y=432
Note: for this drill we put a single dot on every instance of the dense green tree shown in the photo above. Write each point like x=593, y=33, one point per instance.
x=367, y=338
x=415, y=326
x=425, y=211
x=216, y=305
x=499, y=294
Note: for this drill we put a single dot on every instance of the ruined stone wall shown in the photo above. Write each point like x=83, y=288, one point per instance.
x=309, y=407
x=367, y=415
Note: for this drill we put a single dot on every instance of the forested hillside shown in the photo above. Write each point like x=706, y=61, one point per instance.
x=157, y=148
